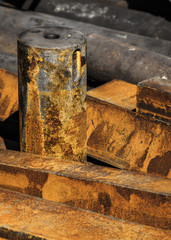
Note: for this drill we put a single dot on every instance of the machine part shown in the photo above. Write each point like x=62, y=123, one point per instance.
x=154, y=98
x=109, y=59
x=126, y=139
x=52, y=92
x=25, y=217
x=109, y=16
x=118, y=193
x=8, y=94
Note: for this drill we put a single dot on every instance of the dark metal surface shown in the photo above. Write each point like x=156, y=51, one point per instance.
x=109, y=16
x=19, y=21
x=122, y=194
x=154, y=98
x=52, y=92
x=109, y=59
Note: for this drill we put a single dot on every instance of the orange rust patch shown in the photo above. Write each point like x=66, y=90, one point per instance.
x=117, y=92
x=14, y=180
x=8, y=94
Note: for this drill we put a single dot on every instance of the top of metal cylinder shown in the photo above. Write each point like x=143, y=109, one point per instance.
x=51, y=37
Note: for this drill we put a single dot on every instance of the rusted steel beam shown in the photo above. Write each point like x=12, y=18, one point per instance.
x=127, y=139
x=109, y=59
x=24, y=217
x=154, y=98
x=52, y=92
x=109, y=16
x=2, y=144
x=131, y=196
x=8, y=94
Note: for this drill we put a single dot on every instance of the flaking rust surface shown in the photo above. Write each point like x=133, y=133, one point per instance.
x=56, y=124
x=127, y=195
x=8, y=94
x=34, y=218
x=128, y=140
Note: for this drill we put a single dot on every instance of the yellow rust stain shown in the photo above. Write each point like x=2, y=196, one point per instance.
x=79, y=63
x=14, y=180
x=34, y=125
x=65, y=121
x=8, y=94
x=65, y=130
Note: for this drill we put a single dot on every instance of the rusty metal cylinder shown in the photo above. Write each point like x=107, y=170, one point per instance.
x=52, y=73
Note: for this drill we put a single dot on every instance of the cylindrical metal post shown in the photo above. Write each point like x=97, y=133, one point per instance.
x=52, y=75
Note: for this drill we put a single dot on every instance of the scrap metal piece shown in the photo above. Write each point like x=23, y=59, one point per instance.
x=8, y=94
x=52, y=92
x=154, y=98
x=24, y=217
x=122, y=194
x=126, y=139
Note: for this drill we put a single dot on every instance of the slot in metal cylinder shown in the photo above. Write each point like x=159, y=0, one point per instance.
x=52, y=73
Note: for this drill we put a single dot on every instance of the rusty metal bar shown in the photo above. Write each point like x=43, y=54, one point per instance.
x=126, y=139
x=24, y=217
x=52, y=92
x=122, y=194
x=154, y=98
x=8, y=94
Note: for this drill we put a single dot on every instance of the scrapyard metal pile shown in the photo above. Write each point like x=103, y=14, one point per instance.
x=47, y=185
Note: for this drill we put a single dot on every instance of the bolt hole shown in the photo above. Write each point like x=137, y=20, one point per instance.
x=51, y=36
